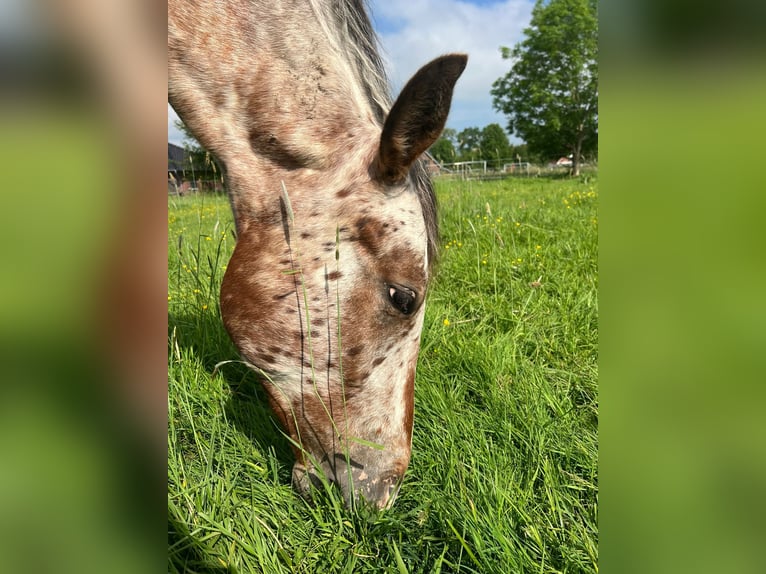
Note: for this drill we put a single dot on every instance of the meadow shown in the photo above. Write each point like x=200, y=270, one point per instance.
x=503, y=476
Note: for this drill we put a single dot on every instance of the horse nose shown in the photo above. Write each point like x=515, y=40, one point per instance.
x=379, y=491
x=358, y=486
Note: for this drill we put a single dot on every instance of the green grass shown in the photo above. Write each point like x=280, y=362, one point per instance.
x=503, y=476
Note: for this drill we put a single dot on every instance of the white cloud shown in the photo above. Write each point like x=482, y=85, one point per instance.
x=415, y=31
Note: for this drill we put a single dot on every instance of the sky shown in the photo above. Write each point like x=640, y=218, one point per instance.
x=413, y=32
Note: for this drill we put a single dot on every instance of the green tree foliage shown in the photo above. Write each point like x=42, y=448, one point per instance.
x=443, y=151
x=469, y=144
x=450, y=135
x=550, y=95
x=489, y=143
x=521, y=153
x=494, y=145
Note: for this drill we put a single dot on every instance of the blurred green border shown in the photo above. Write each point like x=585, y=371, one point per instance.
x=682, y=307
x=682, y=276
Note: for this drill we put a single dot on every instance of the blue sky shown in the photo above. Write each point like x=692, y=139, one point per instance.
x=412, y=32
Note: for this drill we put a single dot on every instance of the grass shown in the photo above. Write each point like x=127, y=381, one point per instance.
x=503, y=476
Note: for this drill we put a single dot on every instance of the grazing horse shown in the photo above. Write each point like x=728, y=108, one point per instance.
x=335, y=219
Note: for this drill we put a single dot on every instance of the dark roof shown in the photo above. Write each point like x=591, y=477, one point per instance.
x=178, y=158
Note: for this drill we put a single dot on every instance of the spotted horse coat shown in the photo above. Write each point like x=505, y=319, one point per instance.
x=335, y=217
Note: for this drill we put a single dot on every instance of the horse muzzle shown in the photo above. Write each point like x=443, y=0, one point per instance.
x=359, y=485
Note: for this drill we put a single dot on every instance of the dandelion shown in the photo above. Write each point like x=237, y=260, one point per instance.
x=446, y=322
x=538, y=247
x=208, y=238
x=204, y=307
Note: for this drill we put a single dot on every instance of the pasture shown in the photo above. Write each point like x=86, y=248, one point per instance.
x=503, y=476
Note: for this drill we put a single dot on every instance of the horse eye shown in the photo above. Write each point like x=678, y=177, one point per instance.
x=402, y=298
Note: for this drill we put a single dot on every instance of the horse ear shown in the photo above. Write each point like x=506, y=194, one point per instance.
x=417, y=118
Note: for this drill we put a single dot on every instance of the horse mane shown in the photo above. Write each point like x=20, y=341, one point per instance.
x=424, y=189
x=348, y=28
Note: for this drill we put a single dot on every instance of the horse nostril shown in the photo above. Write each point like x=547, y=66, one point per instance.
x=377, y=491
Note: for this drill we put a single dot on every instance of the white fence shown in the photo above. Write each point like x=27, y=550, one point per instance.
x=479, y=169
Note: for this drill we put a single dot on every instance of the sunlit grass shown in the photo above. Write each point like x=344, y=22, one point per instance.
x=503, y=476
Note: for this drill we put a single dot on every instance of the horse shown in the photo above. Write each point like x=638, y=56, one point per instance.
x=335, y=218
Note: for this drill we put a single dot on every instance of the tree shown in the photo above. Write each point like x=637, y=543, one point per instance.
x=521, y=153
x=550, y=95
x=443, y=151
x=494, y=145
x=468, y=144
x=450, y=134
